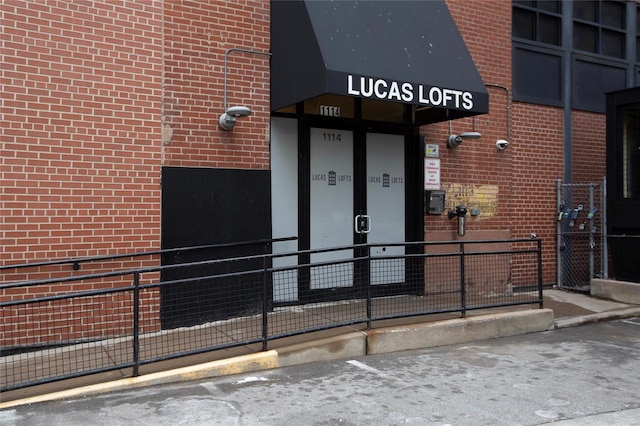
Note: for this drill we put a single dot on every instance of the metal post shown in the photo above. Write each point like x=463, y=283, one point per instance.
x=136, y=323
x=540, y=294
x=604, y=263
x=592, y=243
x=463, y=295
x=558, y=235
x=265, y=304
x=368, y=281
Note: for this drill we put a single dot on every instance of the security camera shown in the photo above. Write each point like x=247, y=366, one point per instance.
x=501, y=144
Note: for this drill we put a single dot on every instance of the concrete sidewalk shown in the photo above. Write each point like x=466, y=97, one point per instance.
x=561, y=309
x=572, y=309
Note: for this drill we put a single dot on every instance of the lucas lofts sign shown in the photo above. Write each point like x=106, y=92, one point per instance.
x=421, y=94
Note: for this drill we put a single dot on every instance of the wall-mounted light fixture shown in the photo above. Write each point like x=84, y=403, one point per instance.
x=230, y=116
x=455, y=140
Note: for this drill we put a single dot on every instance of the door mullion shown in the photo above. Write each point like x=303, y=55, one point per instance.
x=360, y=208
x=304, y=207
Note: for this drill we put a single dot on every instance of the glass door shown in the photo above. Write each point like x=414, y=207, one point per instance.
x=356, y=195
x=385, y=193
x=331, y=218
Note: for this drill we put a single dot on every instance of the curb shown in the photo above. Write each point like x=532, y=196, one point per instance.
x=599, y=317
x=241, y=364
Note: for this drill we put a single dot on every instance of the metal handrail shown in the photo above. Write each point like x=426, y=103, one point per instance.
x=264, y=273
x=143, y=253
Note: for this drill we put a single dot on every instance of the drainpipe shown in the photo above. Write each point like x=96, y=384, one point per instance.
x=567, y=31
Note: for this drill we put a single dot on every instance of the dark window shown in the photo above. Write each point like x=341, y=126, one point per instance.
x=524, y=24
x=585, y=37
x=585, y=10
x=537, y=60
x=613, y=15
x=613, y=43
x=596, y=45
x=549, y=6
x=599, y=27
x=550, y=29
x=538, y=21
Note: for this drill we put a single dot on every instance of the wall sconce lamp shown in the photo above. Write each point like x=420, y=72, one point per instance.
x=455, y=140
x=229, y=118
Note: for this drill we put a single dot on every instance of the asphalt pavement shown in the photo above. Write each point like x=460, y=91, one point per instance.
x=585, y=375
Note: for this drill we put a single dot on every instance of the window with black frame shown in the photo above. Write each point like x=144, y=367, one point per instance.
x=593, y=50
x=538, y=21
x=600, y=27
x=537, y=51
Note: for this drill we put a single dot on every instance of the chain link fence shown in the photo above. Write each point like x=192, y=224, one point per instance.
x=581, y=232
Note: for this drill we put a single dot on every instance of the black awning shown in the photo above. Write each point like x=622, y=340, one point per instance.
x=403, y=51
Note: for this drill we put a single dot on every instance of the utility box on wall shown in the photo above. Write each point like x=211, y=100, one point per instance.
x=434, y=201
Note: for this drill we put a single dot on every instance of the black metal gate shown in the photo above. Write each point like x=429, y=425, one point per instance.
x=581, y=234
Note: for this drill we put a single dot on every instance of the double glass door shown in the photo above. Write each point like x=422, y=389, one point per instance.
x=356, y=195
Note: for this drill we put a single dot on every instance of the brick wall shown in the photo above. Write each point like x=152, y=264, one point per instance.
x=197, y=35
x=524, y=174
x=589, y=150
x=81, y=148
x=475, y=173
x=97, y=96
x=81, y=128
x=538, y=139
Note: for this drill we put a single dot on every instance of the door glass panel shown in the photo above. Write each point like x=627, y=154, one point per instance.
x=331, y=204
x=386, y=205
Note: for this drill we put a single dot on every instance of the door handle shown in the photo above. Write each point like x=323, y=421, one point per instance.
x=367, y=220
x=362, y=224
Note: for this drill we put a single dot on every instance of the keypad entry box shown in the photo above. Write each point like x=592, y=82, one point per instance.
x=434, y=201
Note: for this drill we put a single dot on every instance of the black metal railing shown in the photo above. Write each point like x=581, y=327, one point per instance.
x=65, y=327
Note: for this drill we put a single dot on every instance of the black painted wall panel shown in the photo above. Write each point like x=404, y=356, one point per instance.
x=203, y=206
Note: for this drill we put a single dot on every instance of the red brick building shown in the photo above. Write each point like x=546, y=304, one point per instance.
x=111, y=138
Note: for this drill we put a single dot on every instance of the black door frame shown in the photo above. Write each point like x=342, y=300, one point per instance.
x=414, y=204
